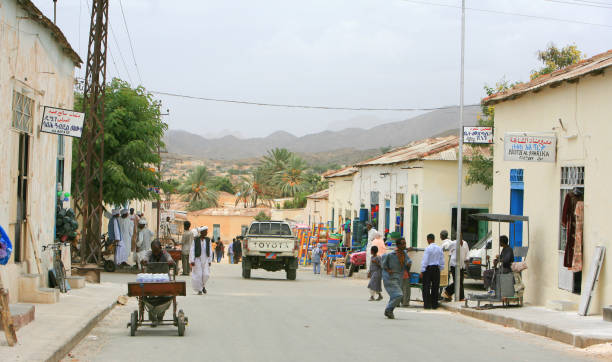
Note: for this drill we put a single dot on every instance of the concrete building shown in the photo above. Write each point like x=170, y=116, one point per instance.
x=316, y=208
x=340, y=207
x=551, y=138
x=226, y=222
x=36, y=69
x=413, y=190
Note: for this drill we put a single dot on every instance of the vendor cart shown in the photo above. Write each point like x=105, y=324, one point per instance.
x=505, y=288
x=171, y=289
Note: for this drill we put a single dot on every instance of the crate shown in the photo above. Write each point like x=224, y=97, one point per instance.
x=414, y=278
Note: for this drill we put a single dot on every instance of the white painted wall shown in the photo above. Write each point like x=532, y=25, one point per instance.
x=585, y=110
x=31, y=62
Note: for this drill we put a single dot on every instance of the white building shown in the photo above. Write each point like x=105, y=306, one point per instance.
x=567, y=116
x=413, y=190
x=340, y=207
x=36, y=70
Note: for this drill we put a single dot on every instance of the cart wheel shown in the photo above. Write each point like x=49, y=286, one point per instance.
x=181, y=323
x=109, y=266
x=134, y=323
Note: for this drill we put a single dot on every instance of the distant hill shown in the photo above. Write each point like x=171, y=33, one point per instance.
x=389, y=134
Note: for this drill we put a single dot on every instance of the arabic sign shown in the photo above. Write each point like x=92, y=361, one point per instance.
x=530, y=147
x=478, y=135
x=62, y=121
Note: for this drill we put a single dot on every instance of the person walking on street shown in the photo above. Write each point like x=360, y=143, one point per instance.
x=238, y=249
x=393, y=265
x=127, y=231
x=433, y=262
x=219, y=250
x=200, y=258
x=372, y=234
x=316, y=259
x=451, y=246
x=186, y=241
x=230, y=251
x=375, y=275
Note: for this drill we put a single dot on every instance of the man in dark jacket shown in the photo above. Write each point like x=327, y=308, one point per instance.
x=506, y=257
x=238, y=249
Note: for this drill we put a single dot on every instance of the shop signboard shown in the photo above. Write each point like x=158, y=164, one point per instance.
x=62, y=121
x=483, y=135
x=530, y=147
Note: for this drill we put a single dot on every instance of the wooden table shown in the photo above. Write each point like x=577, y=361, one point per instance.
x=157, y=289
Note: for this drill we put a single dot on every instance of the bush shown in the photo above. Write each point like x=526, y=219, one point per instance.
x=262, y=216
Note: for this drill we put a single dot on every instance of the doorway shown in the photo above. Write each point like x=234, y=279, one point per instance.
x=517, y=187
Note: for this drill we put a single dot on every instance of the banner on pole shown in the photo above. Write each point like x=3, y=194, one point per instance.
x=530, y=147
x=62, y=121
x=482, y=135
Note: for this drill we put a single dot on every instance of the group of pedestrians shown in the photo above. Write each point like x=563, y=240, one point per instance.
x=393, y=270
x=128, y=231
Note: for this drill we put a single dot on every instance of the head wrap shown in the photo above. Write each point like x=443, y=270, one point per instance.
x=139, y=213
x=142, y=221
x=202, y=228
x=124, y=211
x=115, y=212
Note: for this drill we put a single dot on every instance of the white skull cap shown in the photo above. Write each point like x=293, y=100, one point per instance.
x=142, y=221
x=202, y=228
x=115, y=212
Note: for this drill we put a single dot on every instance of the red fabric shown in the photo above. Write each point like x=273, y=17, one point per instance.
x=358, y=258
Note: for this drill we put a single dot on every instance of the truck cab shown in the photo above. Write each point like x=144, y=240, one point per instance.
x=270, y=245
x=478, y=257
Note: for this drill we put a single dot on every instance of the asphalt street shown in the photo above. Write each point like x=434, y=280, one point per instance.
x=268, y=318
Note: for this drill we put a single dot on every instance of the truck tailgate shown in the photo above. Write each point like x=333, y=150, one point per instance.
x=271, y=245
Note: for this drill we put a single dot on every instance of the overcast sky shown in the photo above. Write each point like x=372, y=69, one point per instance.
x=353, y=53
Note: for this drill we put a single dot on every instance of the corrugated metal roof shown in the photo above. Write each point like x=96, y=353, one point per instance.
x=574, y=71
x=438, y=148
x=347, y=171
x=323, y=194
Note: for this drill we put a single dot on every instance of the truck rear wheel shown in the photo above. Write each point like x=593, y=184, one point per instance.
x=246, y=273
x=291, y=274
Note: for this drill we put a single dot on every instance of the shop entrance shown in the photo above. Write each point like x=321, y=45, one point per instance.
x=472, y=230
x=517, y=187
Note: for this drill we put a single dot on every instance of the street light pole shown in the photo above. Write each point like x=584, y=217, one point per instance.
x=459, y=236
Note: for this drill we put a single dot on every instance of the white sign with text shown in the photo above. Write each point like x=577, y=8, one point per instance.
x=478, y=135
x=62, y=121
x=530, y=147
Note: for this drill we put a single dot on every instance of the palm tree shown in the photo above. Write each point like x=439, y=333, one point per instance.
x=277, y=159
x=195, y=187
x=253, y=189
x=291, y=180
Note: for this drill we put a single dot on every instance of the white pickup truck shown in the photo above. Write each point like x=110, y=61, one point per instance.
x=270, y=245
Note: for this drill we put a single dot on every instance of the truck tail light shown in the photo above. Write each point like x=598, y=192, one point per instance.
x=476, y=261
x=296, y=245
x=246, y=244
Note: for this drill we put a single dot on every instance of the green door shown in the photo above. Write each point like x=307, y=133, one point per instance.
x=414, y=220
x=483, y=226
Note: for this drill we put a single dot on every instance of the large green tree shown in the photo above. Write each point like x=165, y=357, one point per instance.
x=480, y=167
x=133, y=132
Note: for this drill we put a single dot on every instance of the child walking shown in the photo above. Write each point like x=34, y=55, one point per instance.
x=375, y=275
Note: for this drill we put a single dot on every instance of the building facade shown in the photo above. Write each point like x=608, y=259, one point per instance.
x=36, y=70
x=567, y=116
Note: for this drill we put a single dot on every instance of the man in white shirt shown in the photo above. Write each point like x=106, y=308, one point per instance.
x=451, y=246
x=432, y=263
x=372, y=234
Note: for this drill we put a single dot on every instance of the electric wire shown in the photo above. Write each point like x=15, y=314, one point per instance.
x=508, y=13
x=130, y=39
x=303, y=106
x=603, y=6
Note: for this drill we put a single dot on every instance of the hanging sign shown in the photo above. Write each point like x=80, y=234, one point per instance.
x=62, y=121
x=531, y=147
x=478, y=135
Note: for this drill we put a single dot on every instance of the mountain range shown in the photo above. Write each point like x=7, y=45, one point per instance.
x=393, y=134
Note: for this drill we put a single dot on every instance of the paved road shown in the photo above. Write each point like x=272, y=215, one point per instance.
x=269, y=318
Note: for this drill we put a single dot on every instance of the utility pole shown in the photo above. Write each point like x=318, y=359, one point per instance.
x=459, y=234
x=89, y=169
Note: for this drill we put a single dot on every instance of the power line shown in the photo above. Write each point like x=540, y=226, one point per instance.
x=280, y=105
x=120, y=53
x=508, y=13
x=596, y=5
x=130, y=39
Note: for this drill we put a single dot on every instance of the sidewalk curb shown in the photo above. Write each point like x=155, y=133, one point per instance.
x=531, y=327
x=63, y=350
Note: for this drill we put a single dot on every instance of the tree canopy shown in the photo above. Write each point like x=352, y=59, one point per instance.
x=133, y=132
x=554, y=58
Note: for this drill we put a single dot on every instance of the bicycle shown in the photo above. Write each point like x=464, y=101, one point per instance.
x=58, y=265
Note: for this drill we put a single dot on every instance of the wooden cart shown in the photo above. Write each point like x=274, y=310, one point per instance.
x=172, y=289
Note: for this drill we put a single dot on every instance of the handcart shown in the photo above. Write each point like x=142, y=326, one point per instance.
x=504, y=285
x=171, y=289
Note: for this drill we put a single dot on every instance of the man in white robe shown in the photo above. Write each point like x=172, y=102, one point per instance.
x=127, y=230
x=143, y=241
x=200, y=259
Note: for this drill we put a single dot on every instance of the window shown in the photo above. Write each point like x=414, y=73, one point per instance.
x=61, y=145
x=23, y=109
x=267, y=228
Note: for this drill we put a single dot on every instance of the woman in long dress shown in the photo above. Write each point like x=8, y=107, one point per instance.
x=375, y=275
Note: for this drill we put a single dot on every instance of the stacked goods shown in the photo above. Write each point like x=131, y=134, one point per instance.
x=65, y=224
